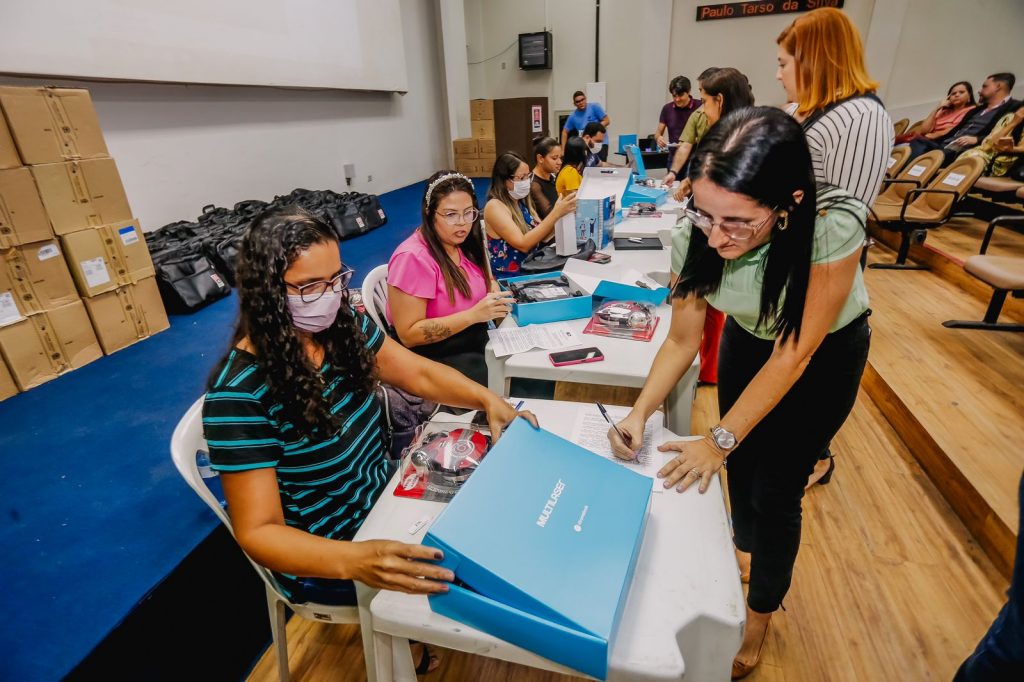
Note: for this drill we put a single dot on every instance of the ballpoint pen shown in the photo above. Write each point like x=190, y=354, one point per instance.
x=604, y=413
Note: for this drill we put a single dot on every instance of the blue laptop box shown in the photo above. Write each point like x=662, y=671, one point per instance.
x=543, y=540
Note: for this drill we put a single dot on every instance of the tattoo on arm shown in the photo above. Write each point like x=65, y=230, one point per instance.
x=435, y=331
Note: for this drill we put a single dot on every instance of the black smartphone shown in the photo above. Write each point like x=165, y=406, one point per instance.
x=576, y=357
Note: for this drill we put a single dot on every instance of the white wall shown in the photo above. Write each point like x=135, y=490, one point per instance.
x=944, y=41
x=915, y=48
x=629, y=62
x=179, y=147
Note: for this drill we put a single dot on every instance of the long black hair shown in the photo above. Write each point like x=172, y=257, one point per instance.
x=733, y=86
x=761, y=152
x=271, y=244
x=505, y=167
x=473, y=246
x=575, y=153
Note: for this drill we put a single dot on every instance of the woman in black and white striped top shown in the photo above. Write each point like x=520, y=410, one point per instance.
x=849, y=132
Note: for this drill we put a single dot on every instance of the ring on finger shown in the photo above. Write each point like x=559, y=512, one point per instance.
x=695, y=472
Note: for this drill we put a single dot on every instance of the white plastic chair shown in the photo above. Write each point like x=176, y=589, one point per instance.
x=375, y=296
x=185, y=443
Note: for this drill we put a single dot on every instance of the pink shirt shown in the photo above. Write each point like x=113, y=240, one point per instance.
x=413, y=270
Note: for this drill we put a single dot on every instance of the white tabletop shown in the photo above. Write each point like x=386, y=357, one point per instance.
x=660, y=226
x=685, y=610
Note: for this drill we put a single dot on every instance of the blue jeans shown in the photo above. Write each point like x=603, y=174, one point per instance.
x=1000, y=654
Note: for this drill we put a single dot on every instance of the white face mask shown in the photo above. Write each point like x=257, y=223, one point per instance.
x=520, y=188
x=316, y=316
x=595, y=148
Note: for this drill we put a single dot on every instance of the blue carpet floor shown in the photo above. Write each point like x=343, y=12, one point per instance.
x=95, y=515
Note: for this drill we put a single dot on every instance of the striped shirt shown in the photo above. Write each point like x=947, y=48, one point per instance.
x=327, y=484
x=850, y=146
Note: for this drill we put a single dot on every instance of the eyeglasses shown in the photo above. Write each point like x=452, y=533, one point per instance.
x=740, y=230
x=315, y=290
x=520, y=178
x=464, y=218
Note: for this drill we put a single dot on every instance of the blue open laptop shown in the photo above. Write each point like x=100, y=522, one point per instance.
x=543, y=541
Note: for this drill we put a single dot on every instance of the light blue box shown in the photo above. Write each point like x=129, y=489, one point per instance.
x=595, y=219
x=543, y=540
x=614, y=291
x=573, y=308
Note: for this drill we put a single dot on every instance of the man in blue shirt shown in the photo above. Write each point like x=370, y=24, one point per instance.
x=585, y=113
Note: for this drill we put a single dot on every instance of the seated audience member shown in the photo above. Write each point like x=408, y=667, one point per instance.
x=593, y=135
x=573, y=162
x=513, y=228
x=440, y=292
x=548, y=157
x=1002, y=147
x=294, y=427
x=675, y=114
x=693, y=131
x=946, y=116
x=995, y=102
x=585, y=113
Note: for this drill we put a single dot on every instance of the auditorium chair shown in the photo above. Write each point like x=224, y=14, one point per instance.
x=926, y=208
x=1005, y=274
x=900, y=126
x=916, y=173
x=897, y=160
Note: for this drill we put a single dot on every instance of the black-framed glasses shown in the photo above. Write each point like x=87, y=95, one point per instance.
x=465, y=218
x=315, y=290
x=740, y=230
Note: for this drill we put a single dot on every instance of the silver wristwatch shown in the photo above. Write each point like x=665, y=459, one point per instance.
x=725, y=440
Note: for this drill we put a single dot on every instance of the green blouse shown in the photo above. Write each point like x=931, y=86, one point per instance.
x=837, y=234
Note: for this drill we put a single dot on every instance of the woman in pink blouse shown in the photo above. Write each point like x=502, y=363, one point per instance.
x=440, y=291
x=946, y=116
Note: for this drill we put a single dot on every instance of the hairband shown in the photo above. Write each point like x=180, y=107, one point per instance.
x=446, y=176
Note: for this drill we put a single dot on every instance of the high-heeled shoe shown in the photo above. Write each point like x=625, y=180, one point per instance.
x=828, y=473
x=740, y=669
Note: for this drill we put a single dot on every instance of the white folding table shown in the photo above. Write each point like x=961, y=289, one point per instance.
x=684, y=614
x=627, y=362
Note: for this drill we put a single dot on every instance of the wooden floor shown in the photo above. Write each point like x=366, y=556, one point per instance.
x=888, y=585
x=962, y=387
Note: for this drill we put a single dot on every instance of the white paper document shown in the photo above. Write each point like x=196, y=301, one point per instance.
x=591, y=432
x=551, y=336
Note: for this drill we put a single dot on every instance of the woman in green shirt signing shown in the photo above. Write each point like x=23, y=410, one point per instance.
x=780, y=256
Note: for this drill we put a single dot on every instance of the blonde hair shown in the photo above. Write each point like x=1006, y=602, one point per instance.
x=829, y=58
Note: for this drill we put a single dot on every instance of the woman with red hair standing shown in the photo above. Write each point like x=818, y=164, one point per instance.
x=849, y=132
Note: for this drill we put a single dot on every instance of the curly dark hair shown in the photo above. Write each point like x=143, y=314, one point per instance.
x=271, y=244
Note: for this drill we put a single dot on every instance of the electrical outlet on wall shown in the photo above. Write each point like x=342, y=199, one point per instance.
x=503, y=66
x=369, y=178
x=350, y=173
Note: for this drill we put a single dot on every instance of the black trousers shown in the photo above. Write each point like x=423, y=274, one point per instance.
x=769, y=469
x=920, y=146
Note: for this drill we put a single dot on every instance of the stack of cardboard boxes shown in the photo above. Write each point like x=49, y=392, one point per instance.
x=474, y=156
x=66, y=231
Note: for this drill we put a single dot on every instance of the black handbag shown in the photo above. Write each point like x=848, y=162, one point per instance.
x=188, y=281
x=546, y=260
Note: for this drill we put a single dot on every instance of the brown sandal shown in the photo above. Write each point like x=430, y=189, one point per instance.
x=740, y=669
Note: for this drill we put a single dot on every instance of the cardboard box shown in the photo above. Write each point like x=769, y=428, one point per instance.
x=81, y=194
x=483, y=129
x=104, y=258
x=481, y=109
x=50, y=125
x=466, y=148
x=7, y=385
x=551, y=568
x=36, y=277
x=8, y=152
x=486, y=163
x=128, y=314
x=44, y=346
x=466, y=166
x=22, y=216
x=486, y=147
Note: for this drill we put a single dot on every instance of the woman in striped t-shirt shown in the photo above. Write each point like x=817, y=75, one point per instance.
x=849, y=132
x=293, y=426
